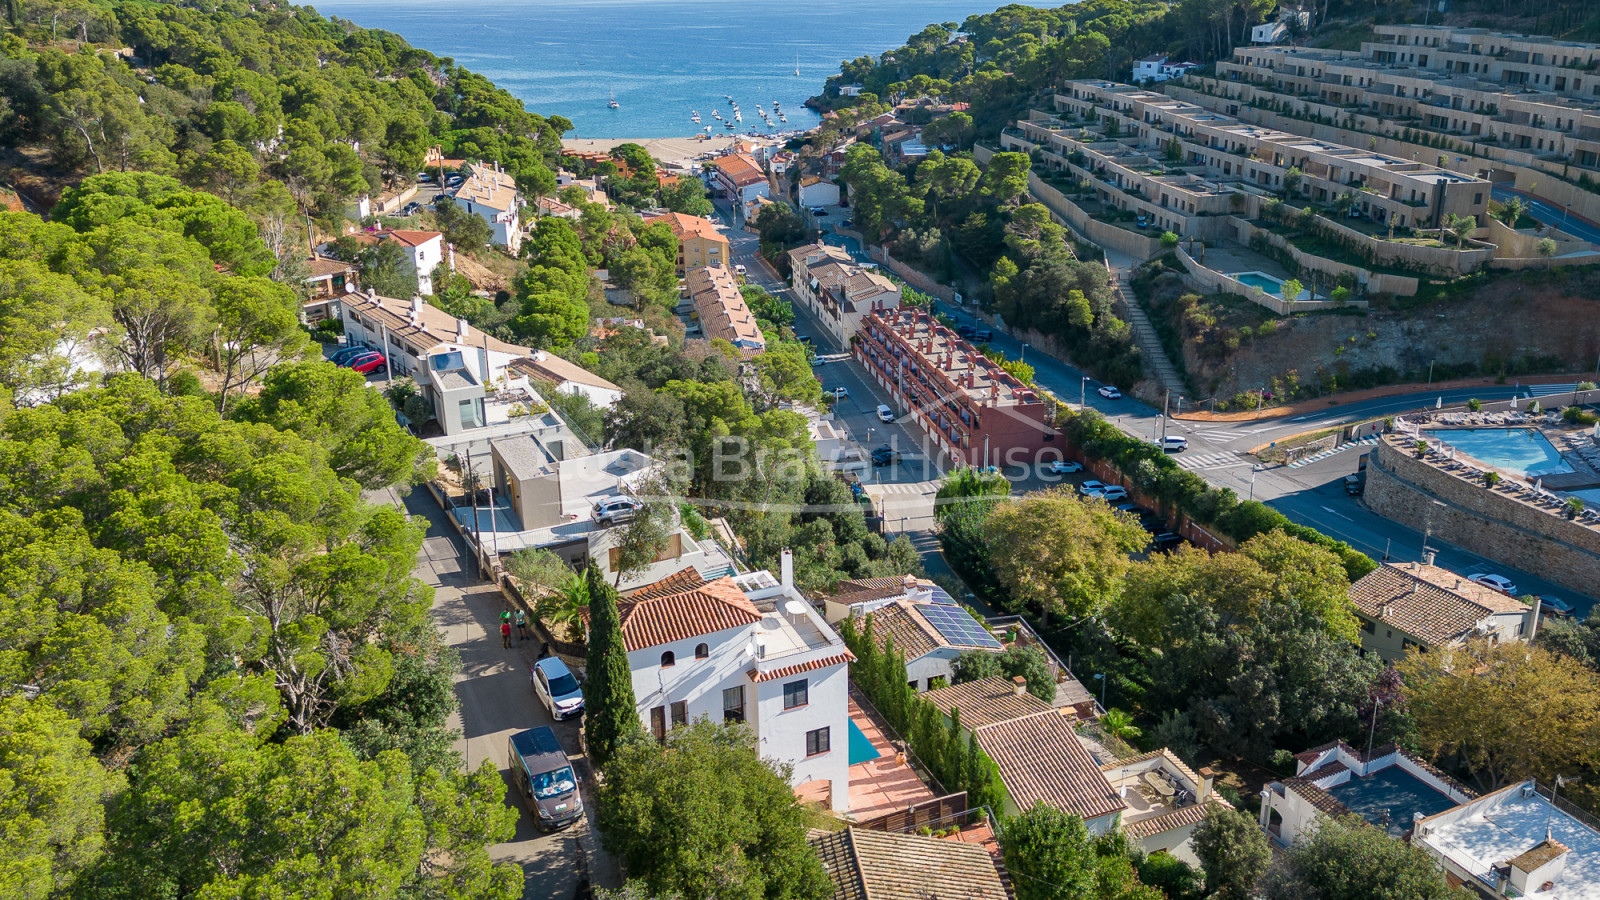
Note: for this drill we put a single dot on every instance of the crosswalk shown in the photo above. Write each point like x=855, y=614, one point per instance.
x=1548, y=390
x=904, y=489
x=1364, y=442
x=1197, y=461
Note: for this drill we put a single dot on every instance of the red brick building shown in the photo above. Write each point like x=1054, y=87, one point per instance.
x=972, y=411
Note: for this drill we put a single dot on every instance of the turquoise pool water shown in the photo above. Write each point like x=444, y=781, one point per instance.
x=1520, y=450
x=1266, y=283
x=861, y=749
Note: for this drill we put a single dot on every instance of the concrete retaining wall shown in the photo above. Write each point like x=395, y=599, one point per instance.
x=1211, y=281
x=1439, y=260
x=1477, y=519
x=1376, y=282
x=1106, y=235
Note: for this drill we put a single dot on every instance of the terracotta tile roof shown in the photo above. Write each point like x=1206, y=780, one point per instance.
x=1178, y=818
x=705, y=609
x=687, y=226
x=434, y=327
x=986, y=701
x=1538, y=855
x=1172, y=761
x=541, y=365
x=786, y=671
x=740, y=170
x=723, y=312
x=411, y=238
x=676, y=583
x=1320, y=800
x=884, y=865
x=486, y=187
x=1432, y=604
x=911, y=636
x=1041, y=761
x=319, y=267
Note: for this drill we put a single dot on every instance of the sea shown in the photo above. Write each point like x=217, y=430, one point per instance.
x=660, y=59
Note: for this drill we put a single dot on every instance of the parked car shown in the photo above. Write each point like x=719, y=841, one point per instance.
x=1143, y=221
x=803, y=338
x=543, y=776
x=453, y=181
x=556, y=688
x=367, y=365
x=816, y=360
x=1092, y=488
x=740, y=270
x=1166, y=542
x=1354, y=485
x=615, y=511
x=983, y=336
x=966, y=331
x=884, y=456
x=1113, y=492
x=885, y=414
x=818, y=211
x=1554, y=606
x=345, y=354
x=411, y=209
x=1064, y=467
x=1109, y=392
x=840, y=392
x=1495, y=583
x=1174, y=443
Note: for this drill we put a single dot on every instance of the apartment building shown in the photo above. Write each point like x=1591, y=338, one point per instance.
x=1126, y=142
x=699, y=241
x=746, y=648
x=1516, y=97
x=740, y=178
x=839, y=292
x=722, y=310
x=971, y=411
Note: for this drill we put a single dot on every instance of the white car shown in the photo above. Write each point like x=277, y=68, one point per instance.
x=556, y=688
x=1495, y=583
x=840, y=391
x=1113, y=492
x=1092, y=488
x=1110, y=393
x=1173, y=443
x=1065, y=467
x=885, y=414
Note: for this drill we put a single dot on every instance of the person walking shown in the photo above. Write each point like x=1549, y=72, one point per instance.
x=505, y=635
x=521, y=619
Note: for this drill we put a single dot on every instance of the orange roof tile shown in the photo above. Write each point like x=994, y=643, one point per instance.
x=1041, y=761
x=706, y=609
x=1427, y=602
x=687, y=226
x=740, y=169
x=759, y=676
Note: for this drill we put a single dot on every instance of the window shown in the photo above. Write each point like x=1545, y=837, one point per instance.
x=1369, y=626
x=680, y=714
x=702, y=651
x=658, y=723
x=668, y=659
x=817, y=742
x=733, y=704
x=796, y=693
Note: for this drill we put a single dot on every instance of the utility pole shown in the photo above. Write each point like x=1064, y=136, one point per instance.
x=468, y=479
x=1166, y=398
x=1083, y=390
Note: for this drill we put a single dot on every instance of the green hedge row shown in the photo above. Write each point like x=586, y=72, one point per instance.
x=1155, y=474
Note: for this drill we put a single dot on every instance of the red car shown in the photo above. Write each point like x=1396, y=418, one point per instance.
x=373, y=362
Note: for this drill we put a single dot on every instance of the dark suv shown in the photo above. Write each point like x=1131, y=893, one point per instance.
x=543, y=776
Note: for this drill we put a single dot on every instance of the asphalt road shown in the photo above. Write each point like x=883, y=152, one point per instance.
x=495, y=700
x=1551, y=214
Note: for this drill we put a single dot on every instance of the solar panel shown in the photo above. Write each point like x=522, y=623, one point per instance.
x=958, y=626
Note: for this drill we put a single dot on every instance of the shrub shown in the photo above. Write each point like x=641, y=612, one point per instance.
x=1475, y=405
x=1168, y=240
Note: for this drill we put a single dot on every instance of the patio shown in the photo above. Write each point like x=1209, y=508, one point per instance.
x=885, y=784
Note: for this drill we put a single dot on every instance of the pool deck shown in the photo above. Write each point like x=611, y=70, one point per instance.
x=884, y=784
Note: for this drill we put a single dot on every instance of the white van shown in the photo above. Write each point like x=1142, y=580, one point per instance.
x=885, y=414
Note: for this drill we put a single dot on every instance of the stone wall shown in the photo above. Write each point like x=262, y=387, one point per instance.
x=1211, y=281
x=1376, y=282
x=1419, y=495
x=1446, y=261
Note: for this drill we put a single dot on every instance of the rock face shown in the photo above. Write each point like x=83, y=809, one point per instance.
x=1490, y=523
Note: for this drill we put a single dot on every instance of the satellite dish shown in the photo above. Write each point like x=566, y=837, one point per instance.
x=349, y=288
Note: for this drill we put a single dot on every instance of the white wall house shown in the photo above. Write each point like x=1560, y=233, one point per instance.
x=1159, y=68
x=749, y=649
x=1387, y=787
x=492, y=195
x=839, y=292
x=1515, y=842
x=815, y=191
x=1269, y=33
x=426, y=250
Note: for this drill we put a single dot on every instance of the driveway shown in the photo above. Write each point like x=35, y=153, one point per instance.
x=495, y=700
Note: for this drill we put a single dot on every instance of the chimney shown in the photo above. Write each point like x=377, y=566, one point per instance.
x=462, y=329
x=1427, y=557
x=416, y=307
x=1385, y=611
x=1207, y=776
x=1019, y=685
x=786, y=569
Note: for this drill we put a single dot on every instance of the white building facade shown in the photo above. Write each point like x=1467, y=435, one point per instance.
x=750, y=649
x=492, y=195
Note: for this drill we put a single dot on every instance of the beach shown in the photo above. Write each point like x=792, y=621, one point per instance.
x=667, y=150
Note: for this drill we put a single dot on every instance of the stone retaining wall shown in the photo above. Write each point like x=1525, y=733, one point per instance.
x=1479, y=520
x=1203, y=279
x=1377, y=282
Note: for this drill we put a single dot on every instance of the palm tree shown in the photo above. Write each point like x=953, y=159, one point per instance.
x=1119, y=725
x=565, y=608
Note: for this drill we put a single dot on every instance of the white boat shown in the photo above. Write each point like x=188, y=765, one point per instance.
x=782, y=117
x=708, y=129
x=797, y=65
x=716, y=115
x=729, y=124
x=738, y=118
x=614, y=104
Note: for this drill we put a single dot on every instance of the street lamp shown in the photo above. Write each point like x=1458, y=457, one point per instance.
x=1101, y=677
x=1023, y=357
x=1253, y=471
x=1430, y=371
x=1083, y=392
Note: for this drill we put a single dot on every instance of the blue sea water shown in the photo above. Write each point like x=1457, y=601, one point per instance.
x=660, y=58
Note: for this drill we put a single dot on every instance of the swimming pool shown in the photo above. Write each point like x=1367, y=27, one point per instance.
x=1520, y=450
x=1266, y=283
x=1590, y=497
x=861, y=749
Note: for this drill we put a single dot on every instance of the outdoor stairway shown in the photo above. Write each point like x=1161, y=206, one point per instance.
x=1156, y=363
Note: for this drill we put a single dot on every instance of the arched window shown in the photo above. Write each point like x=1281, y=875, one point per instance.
x=702, y=651
x=667, y=659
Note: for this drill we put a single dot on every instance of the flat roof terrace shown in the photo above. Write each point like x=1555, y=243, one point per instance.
x=1389, y=797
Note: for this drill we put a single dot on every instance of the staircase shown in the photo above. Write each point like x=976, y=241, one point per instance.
x=1156, y=364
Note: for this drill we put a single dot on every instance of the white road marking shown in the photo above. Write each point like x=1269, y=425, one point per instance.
x=1344, y=517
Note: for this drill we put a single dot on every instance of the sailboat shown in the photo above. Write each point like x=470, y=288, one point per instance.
x=614, y=104
x=797, y=64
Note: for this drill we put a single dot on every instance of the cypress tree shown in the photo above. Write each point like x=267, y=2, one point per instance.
x=955, y=755
x=610, y=716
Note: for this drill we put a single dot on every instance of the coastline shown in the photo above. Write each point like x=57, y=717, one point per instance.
x=685, y=150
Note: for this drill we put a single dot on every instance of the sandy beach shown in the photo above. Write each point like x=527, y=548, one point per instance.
x=672, y=150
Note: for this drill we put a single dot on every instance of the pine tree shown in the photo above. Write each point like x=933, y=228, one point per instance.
x=610, y=717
